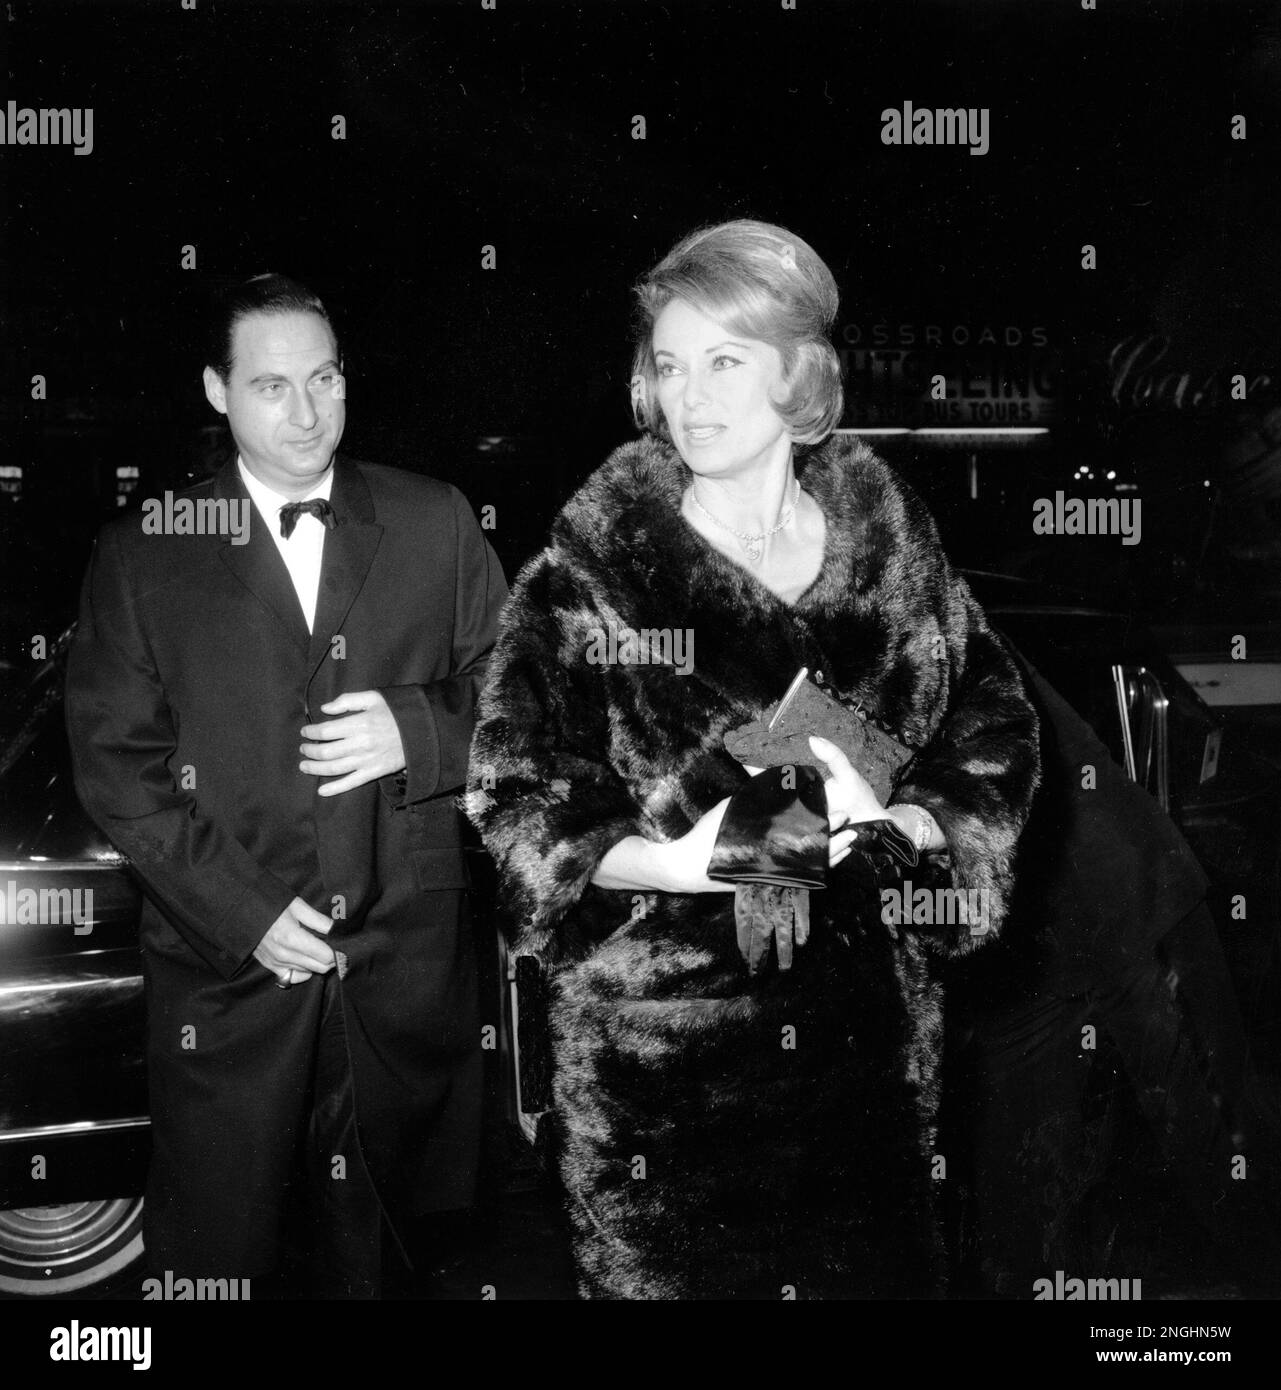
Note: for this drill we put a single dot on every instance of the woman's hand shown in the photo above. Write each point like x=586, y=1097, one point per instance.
x=680, y=866
x=850, y=800
x=684, y=861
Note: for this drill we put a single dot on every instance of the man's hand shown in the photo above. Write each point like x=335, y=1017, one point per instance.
x=290, y=950
x=360, y=748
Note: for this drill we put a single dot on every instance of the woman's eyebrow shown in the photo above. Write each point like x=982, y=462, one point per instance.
x=729, y=342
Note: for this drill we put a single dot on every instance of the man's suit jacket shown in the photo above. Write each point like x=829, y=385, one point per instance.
x=190, y=677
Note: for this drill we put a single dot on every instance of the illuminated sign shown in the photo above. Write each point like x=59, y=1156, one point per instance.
x=957, y=376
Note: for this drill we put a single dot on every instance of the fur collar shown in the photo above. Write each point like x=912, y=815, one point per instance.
x=638, y=491
x=881, y=600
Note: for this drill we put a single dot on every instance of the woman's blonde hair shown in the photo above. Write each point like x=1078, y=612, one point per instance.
x=759, y=281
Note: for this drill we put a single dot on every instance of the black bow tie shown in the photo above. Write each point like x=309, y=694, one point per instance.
x=316, y=506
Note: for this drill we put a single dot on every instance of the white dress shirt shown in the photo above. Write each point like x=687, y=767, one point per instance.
x=305, y=549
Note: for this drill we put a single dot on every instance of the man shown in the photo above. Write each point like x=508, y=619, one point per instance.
x=272, y=728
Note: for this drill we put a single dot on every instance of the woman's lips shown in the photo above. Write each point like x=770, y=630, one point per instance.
x=700, y=434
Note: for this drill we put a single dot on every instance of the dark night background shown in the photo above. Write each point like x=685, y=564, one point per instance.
x=512, y=127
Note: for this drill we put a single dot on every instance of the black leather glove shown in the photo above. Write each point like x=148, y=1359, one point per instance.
x=772, y=846
x=884, y=846
x=766, y=915
x=775, y=831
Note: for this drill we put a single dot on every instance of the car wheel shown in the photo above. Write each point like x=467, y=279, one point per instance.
x=68, y=1248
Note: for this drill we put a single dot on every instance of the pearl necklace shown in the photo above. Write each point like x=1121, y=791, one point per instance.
x=753, y=544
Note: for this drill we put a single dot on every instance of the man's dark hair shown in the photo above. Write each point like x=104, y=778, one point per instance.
x=262, y=294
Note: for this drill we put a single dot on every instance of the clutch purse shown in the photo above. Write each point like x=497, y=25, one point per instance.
x=773, y=839
x=781, y=738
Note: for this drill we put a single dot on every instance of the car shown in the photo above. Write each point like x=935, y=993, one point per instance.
x=1203, y=767
x=74, y=1131
x=73, y=1111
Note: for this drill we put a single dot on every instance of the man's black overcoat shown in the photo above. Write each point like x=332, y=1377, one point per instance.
x=191, y=674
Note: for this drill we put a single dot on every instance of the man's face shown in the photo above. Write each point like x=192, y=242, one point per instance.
x=284, y=399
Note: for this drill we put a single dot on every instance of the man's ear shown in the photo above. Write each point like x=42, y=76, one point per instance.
x=215, y=390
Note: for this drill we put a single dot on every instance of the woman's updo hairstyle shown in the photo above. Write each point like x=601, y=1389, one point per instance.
x=759, y=281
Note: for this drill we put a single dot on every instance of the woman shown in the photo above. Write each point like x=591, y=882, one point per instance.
x=724, y=1133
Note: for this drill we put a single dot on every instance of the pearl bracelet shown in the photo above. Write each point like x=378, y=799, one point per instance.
x=924, y=824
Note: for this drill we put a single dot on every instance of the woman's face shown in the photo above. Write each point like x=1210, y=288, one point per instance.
x=714, y=388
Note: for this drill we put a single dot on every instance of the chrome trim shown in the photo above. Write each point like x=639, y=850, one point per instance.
x=56, y=986
x=1011, y=608
x=526, y=1119
x=1161, y=741
x=1147, y=749
x=76, y=1127
x=1121, y=686
x=73, y=866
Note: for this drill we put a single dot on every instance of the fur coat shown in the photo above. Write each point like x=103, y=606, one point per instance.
x=721, y=1135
